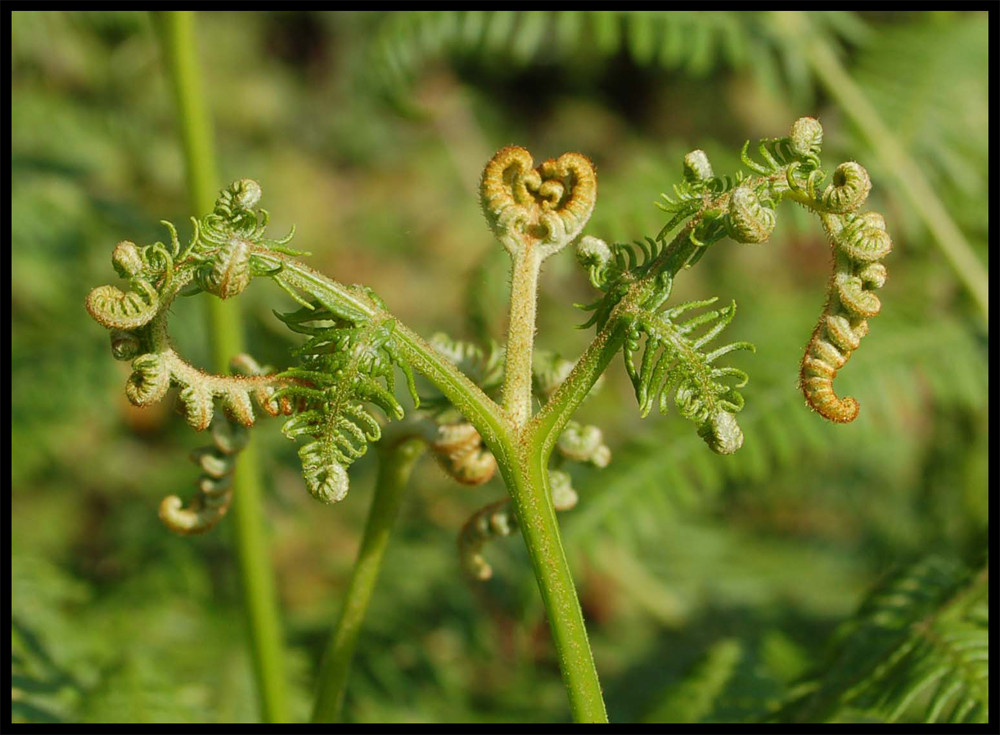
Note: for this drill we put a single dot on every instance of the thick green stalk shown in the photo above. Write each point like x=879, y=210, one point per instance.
x=898, y=163
x=527, y=482
x=395, y=465
x=260, y=600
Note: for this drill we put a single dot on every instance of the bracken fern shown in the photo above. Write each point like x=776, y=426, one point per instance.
x=354, y=346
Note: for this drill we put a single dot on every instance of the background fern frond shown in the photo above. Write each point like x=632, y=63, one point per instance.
x=695, y=41
x=917, y=649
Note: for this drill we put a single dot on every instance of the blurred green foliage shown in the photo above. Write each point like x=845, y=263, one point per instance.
x=711, y=584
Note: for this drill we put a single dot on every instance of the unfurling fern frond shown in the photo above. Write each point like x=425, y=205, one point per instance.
x=674, y=361
x=215, y=494
x=917, y=649
x=227, y=250
x=859, y=242
x=743, y=207
x=460, y=451
x=343, y=367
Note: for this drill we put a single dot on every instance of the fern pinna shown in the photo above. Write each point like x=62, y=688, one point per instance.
x=917, y=649
x=343, y=367
x=673, y=360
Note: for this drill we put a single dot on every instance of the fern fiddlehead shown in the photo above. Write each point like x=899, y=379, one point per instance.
x=534, y=213
x=460, y=451
x=540, y=209
x=859, y=241
x=221, y=258
x=214, y=495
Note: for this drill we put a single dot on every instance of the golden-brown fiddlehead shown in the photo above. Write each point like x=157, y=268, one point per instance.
x=859, y=242
x=541, y=208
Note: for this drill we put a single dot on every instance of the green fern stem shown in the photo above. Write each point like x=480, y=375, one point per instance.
x=260, y=599
x=548, y=424
x=527, y=481
x=396, y=461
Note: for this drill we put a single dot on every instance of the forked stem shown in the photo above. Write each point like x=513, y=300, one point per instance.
x=528, y=484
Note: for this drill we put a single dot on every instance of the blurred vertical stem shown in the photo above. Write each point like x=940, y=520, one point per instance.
x=797, y=29
x=396, y=460
x=176, y=29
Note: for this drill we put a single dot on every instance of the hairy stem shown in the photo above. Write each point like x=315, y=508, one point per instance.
x=527, y=482
x=260, y=600
x=909, y=178
x=395, y=465
x=521, y=335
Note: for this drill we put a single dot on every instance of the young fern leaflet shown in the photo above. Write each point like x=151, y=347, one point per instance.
x=343, y=367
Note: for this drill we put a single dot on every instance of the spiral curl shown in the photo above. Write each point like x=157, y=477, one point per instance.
x=849, y=190
x=125, y=345
x=584, y=443
x=228, y=272
x=126, y=259
x=116, y=309
x=493, y=521
x=149, y=381
x=541, y=208
x=214, y=495
x=697, y=167
x=459, y=450
x=806, y=138
x=750, y=220
x=859, y=242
